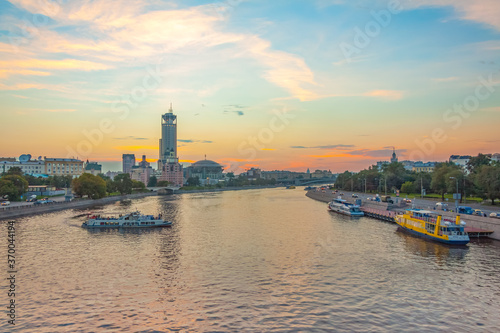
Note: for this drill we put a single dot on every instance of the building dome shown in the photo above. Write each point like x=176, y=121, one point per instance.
x=206, y=164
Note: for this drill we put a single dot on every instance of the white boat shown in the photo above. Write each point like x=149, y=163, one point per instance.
x=132, y=220
x=343, y=207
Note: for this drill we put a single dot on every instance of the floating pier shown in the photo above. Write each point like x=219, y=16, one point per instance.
x=384, y=215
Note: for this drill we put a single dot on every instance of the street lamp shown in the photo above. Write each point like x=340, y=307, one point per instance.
x=456, y=195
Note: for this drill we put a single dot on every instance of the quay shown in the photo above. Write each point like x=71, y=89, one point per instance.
x=477, y=226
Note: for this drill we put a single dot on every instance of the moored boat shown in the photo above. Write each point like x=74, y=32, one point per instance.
x=426, y=224
x=343, y=207
x=131, y=220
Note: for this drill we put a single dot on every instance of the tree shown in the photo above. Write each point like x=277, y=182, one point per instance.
x=123, y=183
x=111, y=186
x=92, y=186
x=488, y=181
x=163, y=183
x=14, y=186
x=153, y=181
x=475, y=163
x=138, y=185
x=15, y=171
x=8, y=190
x=408, y=187
x=193, y=181
x=441, y=181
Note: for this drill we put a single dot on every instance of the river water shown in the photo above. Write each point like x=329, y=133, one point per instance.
x=267, y=260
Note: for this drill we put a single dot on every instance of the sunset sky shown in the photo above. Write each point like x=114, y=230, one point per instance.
x=320, y=84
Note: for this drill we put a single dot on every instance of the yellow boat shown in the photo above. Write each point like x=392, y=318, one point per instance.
x=426, y=224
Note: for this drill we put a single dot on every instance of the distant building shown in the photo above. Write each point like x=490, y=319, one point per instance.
x=423, y=167
x=209, y=172
x=128, y=161
x=168, y=163
x=460, y=160
x=112, y=174
x=63, y=167
x=7, y=159
x=321, y=174
x=284, y=175
x=93, y=168
x=394, y=158
x=25, y=163
x=253, y=174
x=142, y=171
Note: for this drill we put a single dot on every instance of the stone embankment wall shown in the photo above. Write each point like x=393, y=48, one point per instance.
x=19, y=211
x=485, y=223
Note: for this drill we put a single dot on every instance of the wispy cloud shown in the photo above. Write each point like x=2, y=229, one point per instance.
x=194, y=141
x=130, y=138
x=445, y=79
x=385, y=94
x=337, y=147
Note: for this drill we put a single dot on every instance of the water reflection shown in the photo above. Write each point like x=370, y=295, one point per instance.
x=441, y=252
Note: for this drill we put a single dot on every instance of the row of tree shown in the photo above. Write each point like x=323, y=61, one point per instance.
x=13, y=185
x=481, y=178
x=99, y=186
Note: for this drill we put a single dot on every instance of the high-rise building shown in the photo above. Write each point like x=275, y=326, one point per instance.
x=168, y=162
x=128, y=162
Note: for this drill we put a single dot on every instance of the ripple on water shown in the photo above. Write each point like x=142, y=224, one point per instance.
x=249, y=261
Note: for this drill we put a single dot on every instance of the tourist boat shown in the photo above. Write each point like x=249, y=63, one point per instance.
x=132, y=220
x=343, y=207
x=426, y=224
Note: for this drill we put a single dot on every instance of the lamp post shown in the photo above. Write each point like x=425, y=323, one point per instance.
x=456, y=195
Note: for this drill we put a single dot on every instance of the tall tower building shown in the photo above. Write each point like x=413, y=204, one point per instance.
x=168, y=162
x=168, y=141
x=128, y=162
x=394, y=158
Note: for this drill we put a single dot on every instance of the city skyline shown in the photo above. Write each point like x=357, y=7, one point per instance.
x=323, y=85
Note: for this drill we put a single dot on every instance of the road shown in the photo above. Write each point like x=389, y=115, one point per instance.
x=24, y=203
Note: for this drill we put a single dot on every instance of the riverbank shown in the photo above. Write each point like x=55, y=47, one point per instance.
x=20, y=211
x=485, y=223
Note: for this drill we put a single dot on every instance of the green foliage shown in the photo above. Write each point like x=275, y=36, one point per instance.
x=476, y=162
x=8, y=190
x=163, y=183
x=193, y=181
x=15, y=171
x=488, y=180
x=13, y=185
x=123, y=183
x=138, y=185
x=61, y=181
x=408, y=187
x=153, y=181
x=92, y=186
x=441, y=181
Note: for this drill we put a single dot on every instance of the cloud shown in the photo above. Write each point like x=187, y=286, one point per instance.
x=386, y=94
x=194, y=141
x=119, y=31
x=338, y=147
x=238, y=112
x=130, y=138
x=445, y=79
x=374, y=153
x=136, y=148
x=483, y=11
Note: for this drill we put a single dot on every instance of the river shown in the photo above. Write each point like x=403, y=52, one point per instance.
x=269, y=260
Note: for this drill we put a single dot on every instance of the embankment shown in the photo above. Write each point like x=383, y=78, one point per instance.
x=20, y=211
x=485, y=223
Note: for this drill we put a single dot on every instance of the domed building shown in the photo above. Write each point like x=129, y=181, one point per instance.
x=209, y=172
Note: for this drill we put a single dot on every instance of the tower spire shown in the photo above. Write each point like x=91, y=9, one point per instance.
x=170, y=110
